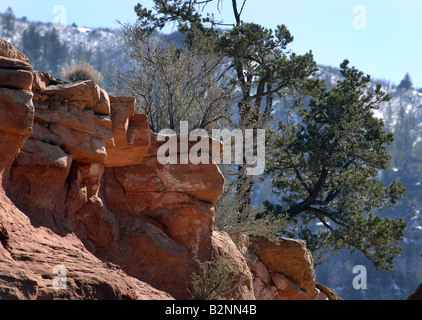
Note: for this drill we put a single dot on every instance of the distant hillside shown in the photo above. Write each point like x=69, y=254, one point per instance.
x=49, y=48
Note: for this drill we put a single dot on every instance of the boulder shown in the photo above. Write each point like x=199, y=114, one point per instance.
x=290, y=265
x=87, y=93
x=8, y=50
x=16, y=79
x=75, y=117
x=201, y=182
x=282, y=270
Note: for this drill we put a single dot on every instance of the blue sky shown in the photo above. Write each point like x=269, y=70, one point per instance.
x=386, y=45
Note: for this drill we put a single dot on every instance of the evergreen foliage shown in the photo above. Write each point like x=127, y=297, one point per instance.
x=406, y=83
x=45, y=52
x=325, y=169
x=9, y=19
x=259, y=60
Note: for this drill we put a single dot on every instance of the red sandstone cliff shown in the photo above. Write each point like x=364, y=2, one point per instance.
x=81, y=188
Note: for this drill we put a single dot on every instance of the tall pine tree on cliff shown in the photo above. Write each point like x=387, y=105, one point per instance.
x=326, y=156
x=259, y=59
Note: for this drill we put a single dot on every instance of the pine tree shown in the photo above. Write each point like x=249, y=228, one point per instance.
x=325, y=168
x=9, y=19
x=262, y=65
x=54, y=52
x=406, y=83
x=326, y=165
x=32, y=42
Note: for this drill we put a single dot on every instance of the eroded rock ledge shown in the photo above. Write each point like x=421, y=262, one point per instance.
x=81, y=188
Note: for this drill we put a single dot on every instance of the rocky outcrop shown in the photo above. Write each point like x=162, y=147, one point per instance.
x=83, y=190
x=31, y=258
x=9, y=51
x=163, y=212
x=84, y=168
x=131, y=134
x=35, y=262
x=282, y=270
x=417, y=294
x=289, y=267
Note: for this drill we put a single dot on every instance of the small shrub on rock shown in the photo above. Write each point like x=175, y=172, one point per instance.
x=80, y=71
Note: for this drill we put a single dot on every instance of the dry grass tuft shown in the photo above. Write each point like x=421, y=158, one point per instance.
x=80, y=71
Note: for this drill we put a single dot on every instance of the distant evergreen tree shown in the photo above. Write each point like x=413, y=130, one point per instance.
x=32, y=44
x=388, y=121
x=88, y=56
x=404, y=136
x=100, y=62
x=406, y=83
x=81, y=53
x=46, y=53
x=55, y=52
x=9, y=19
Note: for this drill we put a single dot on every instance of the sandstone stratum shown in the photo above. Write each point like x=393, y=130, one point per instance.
x=81, y=190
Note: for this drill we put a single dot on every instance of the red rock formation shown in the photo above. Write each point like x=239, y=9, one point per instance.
x=9, y=51
x=29, y=255
x=162, y=212
x=82, y=187
x=290, y=266
x=131, y=134
x=282, y=270
x=81, y=175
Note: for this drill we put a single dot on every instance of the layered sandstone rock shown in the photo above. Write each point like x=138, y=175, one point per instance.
x=131, y=133
x=290, y=266
x=17, y=112
x=9, y=51
x=83, y=186
x=31, y=257
x=163, y=211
